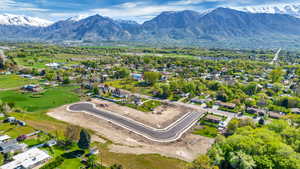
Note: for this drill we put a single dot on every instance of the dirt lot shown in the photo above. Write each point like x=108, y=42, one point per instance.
x=161, y=117
x=124, y=141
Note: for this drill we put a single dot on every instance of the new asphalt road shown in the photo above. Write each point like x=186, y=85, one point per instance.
x=168, y=134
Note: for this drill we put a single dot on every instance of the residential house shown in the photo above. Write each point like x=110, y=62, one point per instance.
x=10, y=120
x=104, y=88
x=53, y=65
x=118, y=93
x=200, y=101
x=29, y=159
x=226, y=105
x=137, y=100
x=253, y=110
x=12, y=146
x=213, y=118
x=32, y=88
x=137, y=77
x=275, y=115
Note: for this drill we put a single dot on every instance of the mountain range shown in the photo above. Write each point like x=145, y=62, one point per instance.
x=221, y=27
x=289, y=9
x=19, y=20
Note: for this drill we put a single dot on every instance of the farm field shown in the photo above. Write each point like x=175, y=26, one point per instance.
x=14, y=81
x=34, y=102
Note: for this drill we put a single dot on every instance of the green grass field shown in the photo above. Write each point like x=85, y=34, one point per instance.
x=41, y=62
x=14, y=81
x=51, y=98
x=14, y=130
x=37, y=106
x=130, y=85
x=207, y=131
x=132, y=161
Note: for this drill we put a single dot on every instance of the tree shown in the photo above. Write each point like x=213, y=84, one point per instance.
x=261, y=121
x=121, y=72
x=152, y=77
x=202, y=162
x=240, y=160
x=84, y=140
x=251, y=89
x=116, y=166
x=92, y=161
x=235, y=123
x=50, y=76
x=276, y=75
x=96, y=90
x=259, y=148
x=72, y=132
x=66, y=80
x=2, y=64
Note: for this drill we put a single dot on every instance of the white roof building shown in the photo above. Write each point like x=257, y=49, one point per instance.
x=4, y=138
x=53, y=64
x=29, y=159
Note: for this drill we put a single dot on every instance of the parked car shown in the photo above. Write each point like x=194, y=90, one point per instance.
x=21, y=138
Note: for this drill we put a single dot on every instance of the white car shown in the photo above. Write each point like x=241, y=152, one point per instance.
x=222, y=124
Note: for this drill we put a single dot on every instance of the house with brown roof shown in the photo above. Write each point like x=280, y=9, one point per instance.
x=226, y=105
x=213, y=118
x=253, y=110
x=275, y=115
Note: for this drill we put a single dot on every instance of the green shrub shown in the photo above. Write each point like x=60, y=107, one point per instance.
x=57, y=162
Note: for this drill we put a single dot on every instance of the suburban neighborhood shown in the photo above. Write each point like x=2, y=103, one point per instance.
x=88, y=107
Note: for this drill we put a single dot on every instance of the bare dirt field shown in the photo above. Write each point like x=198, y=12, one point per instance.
x=187, y=148
x=161, y=117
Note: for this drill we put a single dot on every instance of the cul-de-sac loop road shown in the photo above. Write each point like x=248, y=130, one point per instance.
x=171, y=133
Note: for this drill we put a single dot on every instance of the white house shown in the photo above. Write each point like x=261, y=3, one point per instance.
x=53, y=65
x=29, y=159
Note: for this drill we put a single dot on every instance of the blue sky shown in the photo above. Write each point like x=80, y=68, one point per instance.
x=139, y=10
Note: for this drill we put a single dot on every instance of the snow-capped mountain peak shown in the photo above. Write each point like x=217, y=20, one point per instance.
x=77, y=18
x=289, y=9
x=19, y=20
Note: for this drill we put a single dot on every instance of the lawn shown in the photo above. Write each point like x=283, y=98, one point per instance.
x=38, y=106
x=132, y=161
x=41, y=62
x=51, y=98
x=71, y=164
x=131, y=85
x=14, y=81
x=14, y=130
x=206, y=131
x=37, y=139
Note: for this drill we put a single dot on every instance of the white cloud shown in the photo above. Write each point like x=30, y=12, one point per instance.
x=193, y=2
x=139, y=11
x=12, y=5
